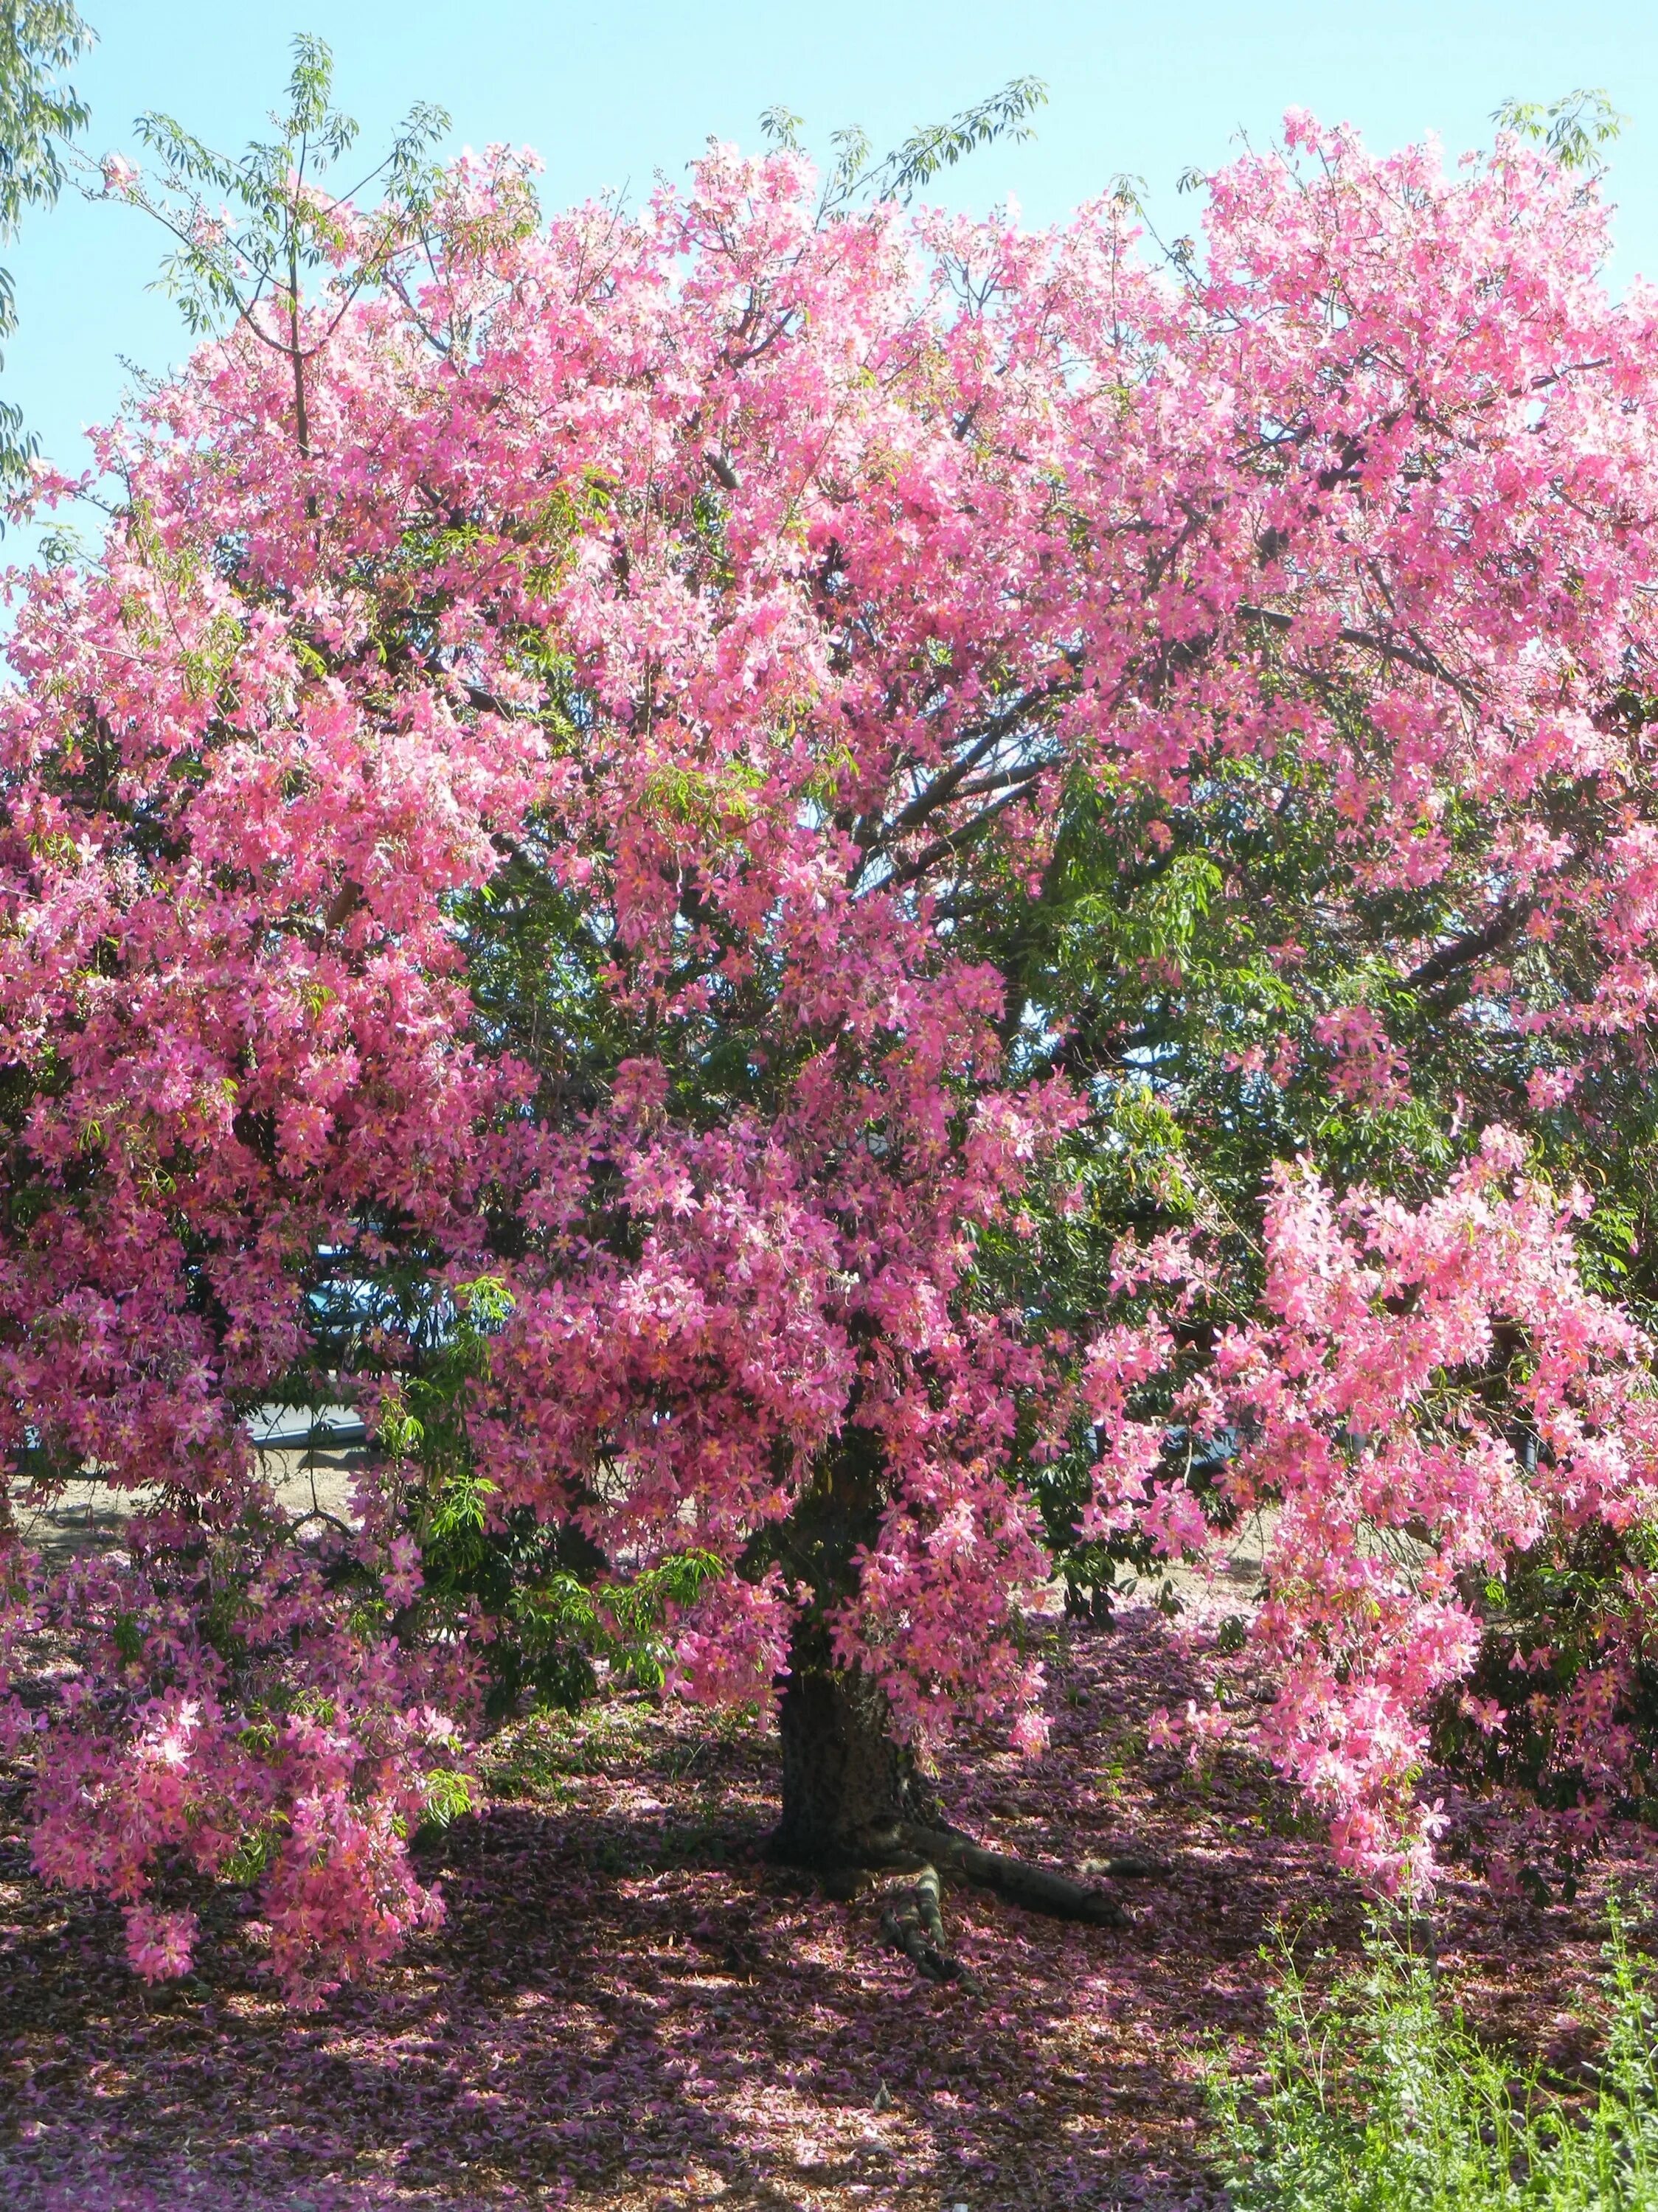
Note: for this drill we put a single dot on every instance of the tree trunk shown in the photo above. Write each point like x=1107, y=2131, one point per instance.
x=853, y=1799
x=847, y=1789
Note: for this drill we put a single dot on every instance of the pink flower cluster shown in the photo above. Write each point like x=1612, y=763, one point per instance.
x=237, y=1715
x=1428, y=1393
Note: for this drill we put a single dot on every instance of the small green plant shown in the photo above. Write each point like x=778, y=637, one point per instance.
x=536, y=1757
x=448, y=1795
x=1376, y=2099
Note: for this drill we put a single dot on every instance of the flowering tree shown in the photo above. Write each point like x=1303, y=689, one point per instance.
x=608, y=851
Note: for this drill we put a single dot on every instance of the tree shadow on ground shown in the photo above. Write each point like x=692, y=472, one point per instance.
x=629, y=2008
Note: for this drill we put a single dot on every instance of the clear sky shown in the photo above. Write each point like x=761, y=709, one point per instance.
x=609, y=94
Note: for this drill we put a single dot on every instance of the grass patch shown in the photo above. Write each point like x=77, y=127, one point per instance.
x=537, y=1757
x=1375, y=2099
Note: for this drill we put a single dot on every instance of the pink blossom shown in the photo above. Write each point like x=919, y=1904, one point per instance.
x=159, y=1945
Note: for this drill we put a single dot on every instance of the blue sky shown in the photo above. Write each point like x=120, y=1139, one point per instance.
x=609, y=95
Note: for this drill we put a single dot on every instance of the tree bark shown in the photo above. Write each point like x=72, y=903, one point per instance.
x=852, y=1798
x=849, y=1790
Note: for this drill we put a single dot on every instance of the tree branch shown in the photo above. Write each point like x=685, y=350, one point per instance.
x=952, y=842
x=948, y=783
x=1425, y=664
x=1473, y=945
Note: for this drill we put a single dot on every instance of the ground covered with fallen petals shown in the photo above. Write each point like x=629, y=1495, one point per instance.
x=629, y=2007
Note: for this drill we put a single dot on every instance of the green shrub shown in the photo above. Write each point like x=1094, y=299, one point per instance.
x=1376, y=2100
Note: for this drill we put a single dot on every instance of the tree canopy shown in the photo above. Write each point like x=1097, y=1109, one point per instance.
x=841, y=903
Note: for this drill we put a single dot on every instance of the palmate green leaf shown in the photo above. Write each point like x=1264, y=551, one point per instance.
x=1573, y=128
x=1005, y=115
x=448, y=1795
x=783, y=126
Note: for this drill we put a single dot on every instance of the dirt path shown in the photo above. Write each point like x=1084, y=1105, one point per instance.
x=91, y=1515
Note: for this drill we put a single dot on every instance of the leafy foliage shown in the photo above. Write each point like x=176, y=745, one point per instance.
x=252, y=229
x=856, y=174
x=1375, y=2100
x=1574, y=128
x=39, y=114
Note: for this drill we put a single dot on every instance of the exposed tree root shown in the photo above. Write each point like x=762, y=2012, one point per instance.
x=860, y=1813
x=913, y=1919
x=1039, y=1889
x=916, y=1927
x=1127, y=1866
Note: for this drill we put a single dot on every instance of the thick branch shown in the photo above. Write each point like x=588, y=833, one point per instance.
x=947, y=783
x=1003, y=779
x=951, y=841
x=1474, y=945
